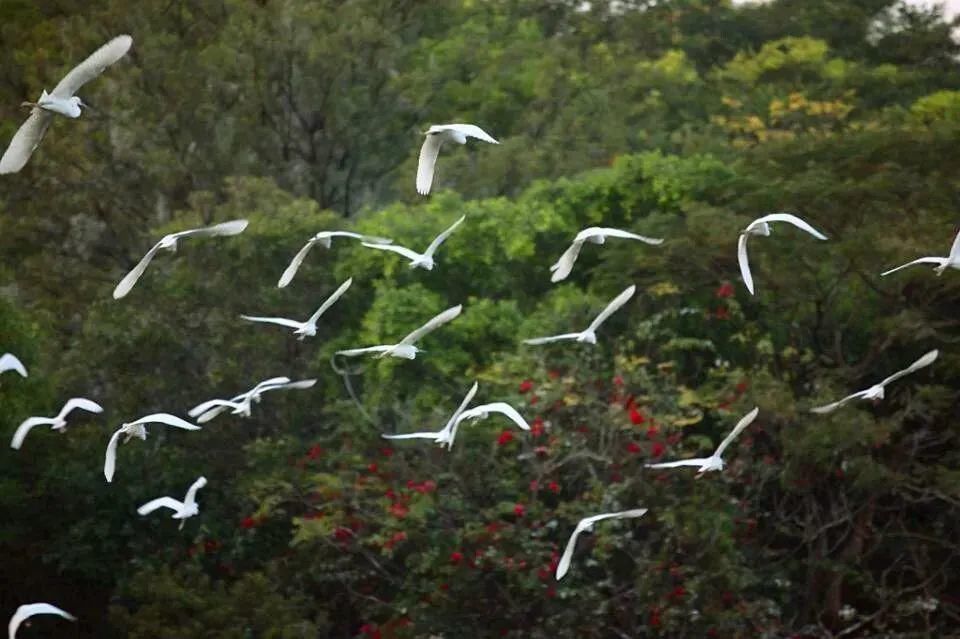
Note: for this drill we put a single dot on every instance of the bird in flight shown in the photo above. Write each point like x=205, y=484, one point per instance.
x=584, y=525
x=169, y=242
x=875, y=392
x=323, y=238
x=62, y=101
x=761, y=226
x=589, y=334
x=309, y=327
x=405, y=348
x=435, y=137
x=10, y=362
x=182, y=510
x=138, y=429
x=943, y=263
x=421, y=260
x=596, y=235
x=447, y=433
x=58, y=422
x=26, y=611
x=714, y=461
x=483, y=411
x=241, y=404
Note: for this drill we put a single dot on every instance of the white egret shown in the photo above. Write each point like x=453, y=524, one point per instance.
x=241, y=404
x=58, y=422
x=448, y=432
x=26, y=611
x=589, y=334
x=584, y=525
x=182, y=510
x=405, y=348
x=435, y=137
x=169, y=242
x=421, y=260
x=714, y=461
x=943, y=263
x=875, y=392
x=483, y=411
x=761, y=226
x=10, y=362
x=61, y=100
x=138, y=429
x=309, y=327
x=596, y=235
x=323, y=238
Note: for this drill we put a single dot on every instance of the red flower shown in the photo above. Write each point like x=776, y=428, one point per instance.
x=386, y=452
x=636, y=416
x=525, y=385
x=654, y=620
x=652, y=432
x=551, y=592
x=678, y=593
x=395, y=539
x=541, y=451
x=505, y=438
x=519, y=510
x=456, y=557
x=657, y=449
x=742, y=387
x=342, y=534
x=370, y=630
x=392, y=496
x=725, y=290
x=315, y=451
x=534, y=399
x=534, y=486
x=553, y=374
x=537, y=429
x=553, y=487
x=444, y=587
x=583, y=429
x=618, y=380
x=372, y=468
x=211, y=545
x=722, y=313
x=248, y=523
x=633, y=447
x=398, y=510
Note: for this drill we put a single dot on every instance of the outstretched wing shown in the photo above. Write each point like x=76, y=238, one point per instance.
x=454, y=421
x=93, y=66
x=955, y=249
x=924, y=361
x=535, y=341
x=499, y=407
x=791, y=219
x=25, y=427
x=10, y=362
x=168, y=419
x=25, y=141
x=160, y=502
x=353, y=352
x=402, y=250
x=438, y=240
x=110, y=460
x=745, y=421
x=586, y=524
x=939, y=261
x=282, y=321
x=744, y=262
x=301, y=384
x=233, y=227
x=414, y=435
x=330, y=301
x=82, y=404
x=829, y=408
x=206, y=411
x=295, y=263
x=613, y=307
x=565, y=264
x=612, y=232
x=433, y=324
x=191, y=497
x=698, y=462
x=469, y=130
x=131, y=278
x=428, y=160
x=28, y=610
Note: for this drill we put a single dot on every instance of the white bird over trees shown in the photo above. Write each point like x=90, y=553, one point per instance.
x=589, y=334
x=596, y=235
x=241, y=404
x=26, y=611
x=714, y=461
x=943, y=263
x=761, y=226
x=421, y=260
x=405, y=348
x=10, y=362
x=587, y=524
x=59, y=422
x=61, y=100
x=323, y=238
x=483, y=411
x=309, y=327
x=447, y=433
x=875, y=392
x=182, y=510
x=435, y=137
x=169, y=242
x=138, y=429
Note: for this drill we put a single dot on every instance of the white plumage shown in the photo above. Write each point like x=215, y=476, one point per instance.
x=715, y=461
x=587, y=524
x=943, y=263
x=421, y=260
x=589, y=334
x=307, y=328
x=26, y=611
x=138, y=429
x=57, y=422
x=761, y=226
x=405, y=348
x=10, y=362
x=597, y=235
x=182, y=510
x=876, y=391
x=323, y=238
x=435, y=137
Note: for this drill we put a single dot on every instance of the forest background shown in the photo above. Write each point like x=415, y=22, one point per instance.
x=681, y=119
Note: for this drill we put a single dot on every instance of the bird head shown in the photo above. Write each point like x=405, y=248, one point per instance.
x=874, y=393
x=588, y=337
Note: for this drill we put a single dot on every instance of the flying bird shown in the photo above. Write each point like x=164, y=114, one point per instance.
x=405, y=348
x=943, y=263
x=59, y=422
x=875, y=392
x=714, y=461
x=421, y=260
x=435, y=137
x=584, y=525
x=241, y=404
x=61, y=100
x=169, y=242
x=596, y=235
x=26, y=611
x=589, y=335
x=761, y=226
x=181, y=509
x=448, y=432
x=10, y=362
x=309, y=327
x=323, y=238
x=483, y=411
x=138, y=430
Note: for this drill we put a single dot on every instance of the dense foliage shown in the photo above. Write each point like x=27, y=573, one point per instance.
x=681, y=119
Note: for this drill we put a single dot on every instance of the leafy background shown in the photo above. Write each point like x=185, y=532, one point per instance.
x=682, y=119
